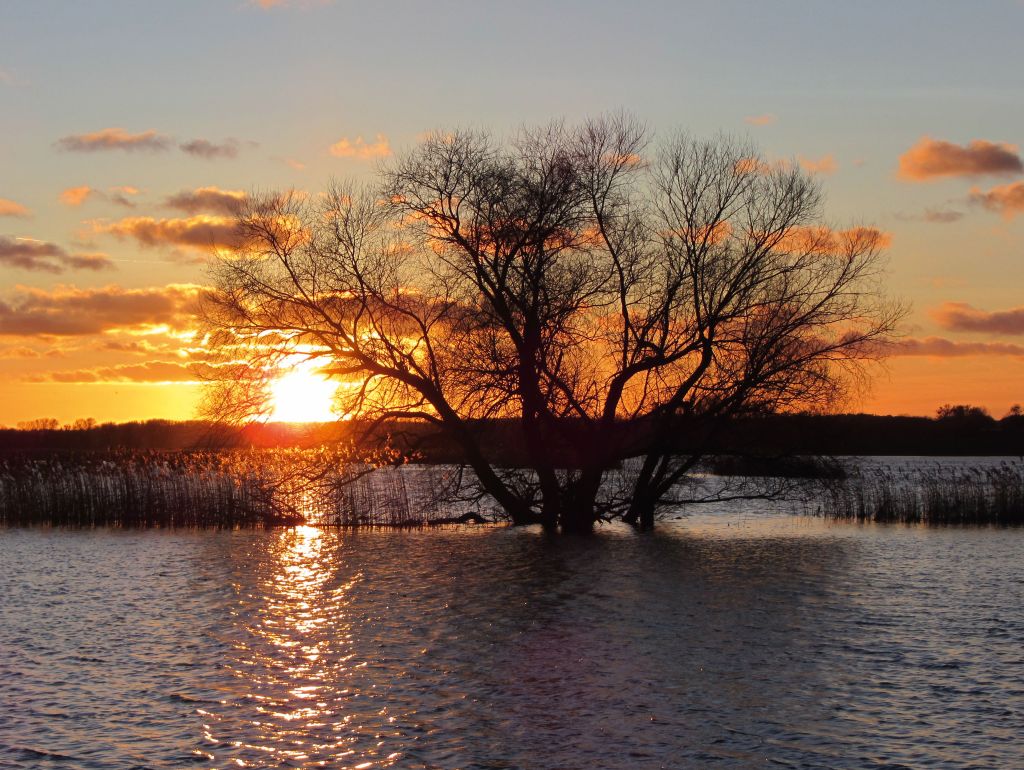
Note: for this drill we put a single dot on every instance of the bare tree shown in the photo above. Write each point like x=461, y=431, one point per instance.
x=602, y=293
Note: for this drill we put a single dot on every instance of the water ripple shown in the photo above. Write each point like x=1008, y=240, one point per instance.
x=722, y=641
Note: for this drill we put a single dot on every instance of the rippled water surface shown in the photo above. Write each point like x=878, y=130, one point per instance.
x=720, y=641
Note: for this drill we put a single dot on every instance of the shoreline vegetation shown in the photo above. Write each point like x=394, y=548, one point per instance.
x=202, y=474
x=956, y=431
x=288, y=487
x=959, y=496
x=225, y=489
x=281, y=478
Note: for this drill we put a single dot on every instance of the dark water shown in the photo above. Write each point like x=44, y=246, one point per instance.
x=728, y=641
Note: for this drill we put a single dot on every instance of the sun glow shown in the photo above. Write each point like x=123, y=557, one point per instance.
x=302, y=395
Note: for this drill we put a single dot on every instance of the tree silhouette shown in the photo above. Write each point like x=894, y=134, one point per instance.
x=965, y=416
x=602, y=292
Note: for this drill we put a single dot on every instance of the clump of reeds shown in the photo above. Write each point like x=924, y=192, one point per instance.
x=138, y=488
x=355, y=494
x=964, y=496
x=217, y=489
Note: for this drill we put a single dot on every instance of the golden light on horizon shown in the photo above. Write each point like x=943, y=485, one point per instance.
x=302, y=395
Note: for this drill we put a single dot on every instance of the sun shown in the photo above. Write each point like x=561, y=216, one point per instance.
x=302, y=395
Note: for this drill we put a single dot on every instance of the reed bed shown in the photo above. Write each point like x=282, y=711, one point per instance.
x=976, y=496
x=404, y=496
x=217, y=489
x=324, y=487
x=140, y=488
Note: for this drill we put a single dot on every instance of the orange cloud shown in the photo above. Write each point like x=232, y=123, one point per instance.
x=825, y=239
x=76, y=196
x=9, y=208
x=939, y=347
x=959, y=316
x=761, y=166
x=206, y=199
x=70, y=311
x=826, y=164
x=345, y=148
x=119, y=195
x=88, y=262
x=115, y=139
x=197, y=232
x=1007, y=199
x=752, y=166
x=760, y=120
x=45, y=257
x=149, y=371
x=20, y=352
x=934, y=158
x=713, y=234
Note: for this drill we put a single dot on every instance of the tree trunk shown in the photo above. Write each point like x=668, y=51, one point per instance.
x=578, y=512
x=641, y=511
x=577, y=520
x=647, y=518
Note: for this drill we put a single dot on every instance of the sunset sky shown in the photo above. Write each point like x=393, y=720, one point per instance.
x=127, y=126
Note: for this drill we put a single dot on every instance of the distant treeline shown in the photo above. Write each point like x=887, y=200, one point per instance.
x=956, y=430
x=166, y=435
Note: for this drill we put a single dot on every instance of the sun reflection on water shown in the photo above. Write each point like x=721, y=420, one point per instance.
x=294, y=666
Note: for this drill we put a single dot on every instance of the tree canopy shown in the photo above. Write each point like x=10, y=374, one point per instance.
x=602, y=290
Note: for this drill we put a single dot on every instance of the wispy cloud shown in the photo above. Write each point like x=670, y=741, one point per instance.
x=959, y=316
x=942, y=216
x=204, y=148
x=19, y=351
x=9, y=208
x=826, y=164
x=149, y=141
x=933, y=215
x=940, y=347
x=122, y=195
x=1007, y=199
x=760, y=120
x=46, y=257
x=149, y=371
x=933, y=159
x=76, y=196
x=115, y=139
x=72, y=311
x=211, y=200
x=822, y=239
x=359, y=148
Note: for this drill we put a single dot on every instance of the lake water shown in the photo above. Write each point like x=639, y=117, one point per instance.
x=722, y=640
